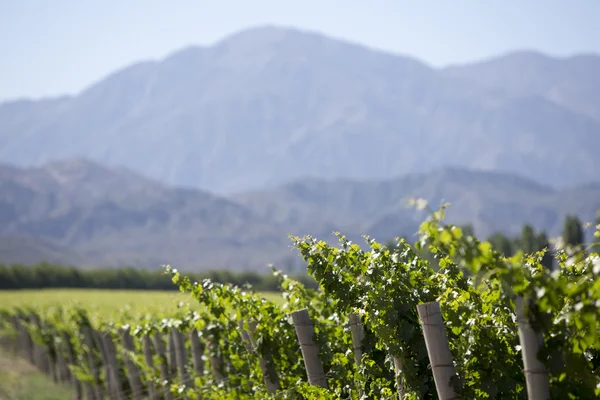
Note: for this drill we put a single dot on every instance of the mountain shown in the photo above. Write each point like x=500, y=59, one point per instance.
x=270, y=105
x=490, y=201
x=80, y=212
x=30, y=250
x=573, y=83
x=111, y=216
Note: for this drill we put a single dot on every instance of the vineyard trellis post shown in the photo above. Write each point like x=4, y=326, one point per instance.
x=358, y=334
x=71, y=361
x=310, y=351
x=64, y=375
x=96, y=388
x=172, y=354
x=159, y=345
x=398, y=367
x=180, y=356
x=113, y=364
x=532, y=340
x=270, y=378
x=197, y=352
x=267, y=365
x=41, y=356
x=147, y=348
x=216, y=362
x=446, y=381
x=26, y=342
x=108, y=378
x=133, y=373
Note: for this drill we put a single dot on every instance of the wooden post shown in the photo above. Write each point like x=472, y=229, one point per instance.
x=88, y=338
x=71, y=361
x=172, y=354
x=358, y=334
x=180, y=356
x=147, y=345
x=532, y=340
x=215, y=361
x=270, y=378
x=398, y=367
x=27, y=342
x=163, y=367
x=108, y=379
x=113, y=366
x=63, y=370
x=310, y=352
x=197, y=352
x=40, y=353
x=245, y=336
x=133, y=374
x=438, y=350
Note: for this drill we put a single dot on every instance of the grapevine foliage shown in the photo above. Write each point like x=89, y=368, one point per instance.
x=237, y=344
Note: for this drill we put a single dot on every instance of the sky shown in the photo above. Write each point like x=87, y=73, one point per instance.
x=59, y=47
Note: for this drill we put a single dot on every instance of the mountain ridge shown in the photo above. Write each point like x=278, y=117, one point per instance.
x=147, y=223
x=264, y=107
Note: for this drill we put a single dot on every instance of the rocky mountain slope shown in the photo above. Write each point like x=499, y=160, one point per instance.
x=112, y=216
x=85, y=213
x=270, y=105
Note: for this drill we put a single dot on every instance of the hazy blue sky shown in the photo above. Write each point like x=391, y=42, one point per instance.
x=53, y=47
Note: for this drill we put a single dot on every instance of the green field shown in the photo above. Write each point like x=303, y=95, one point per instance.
x=20, y=380
x=103, y=301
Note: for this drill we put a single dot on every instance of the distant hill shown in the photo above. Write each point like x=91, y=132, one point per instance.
x=30, y=250
x=270, y=105
x=490, y=201
x=114, y=217
x=574, y=82
x=81, y=212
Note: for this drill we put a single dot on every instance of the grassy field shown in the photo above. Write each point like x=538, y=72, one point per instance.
x=19, y=380
x=104, y=301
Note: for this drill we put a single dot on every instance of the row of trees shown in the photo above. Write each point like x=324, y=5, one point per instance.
x=46, y=275
x=530, y=240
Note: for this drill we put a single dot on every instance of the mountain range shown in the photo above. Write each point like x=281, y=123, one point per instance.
x=80, y=212
x=213, y=155
x=270, y=105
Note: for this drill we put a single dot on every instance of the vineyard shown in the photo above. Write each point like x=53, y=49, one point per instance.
x=446, y=318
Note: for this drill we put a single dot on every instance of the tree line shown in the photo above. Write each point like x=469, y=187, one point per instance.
x=530, y=241
x=48, y=275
